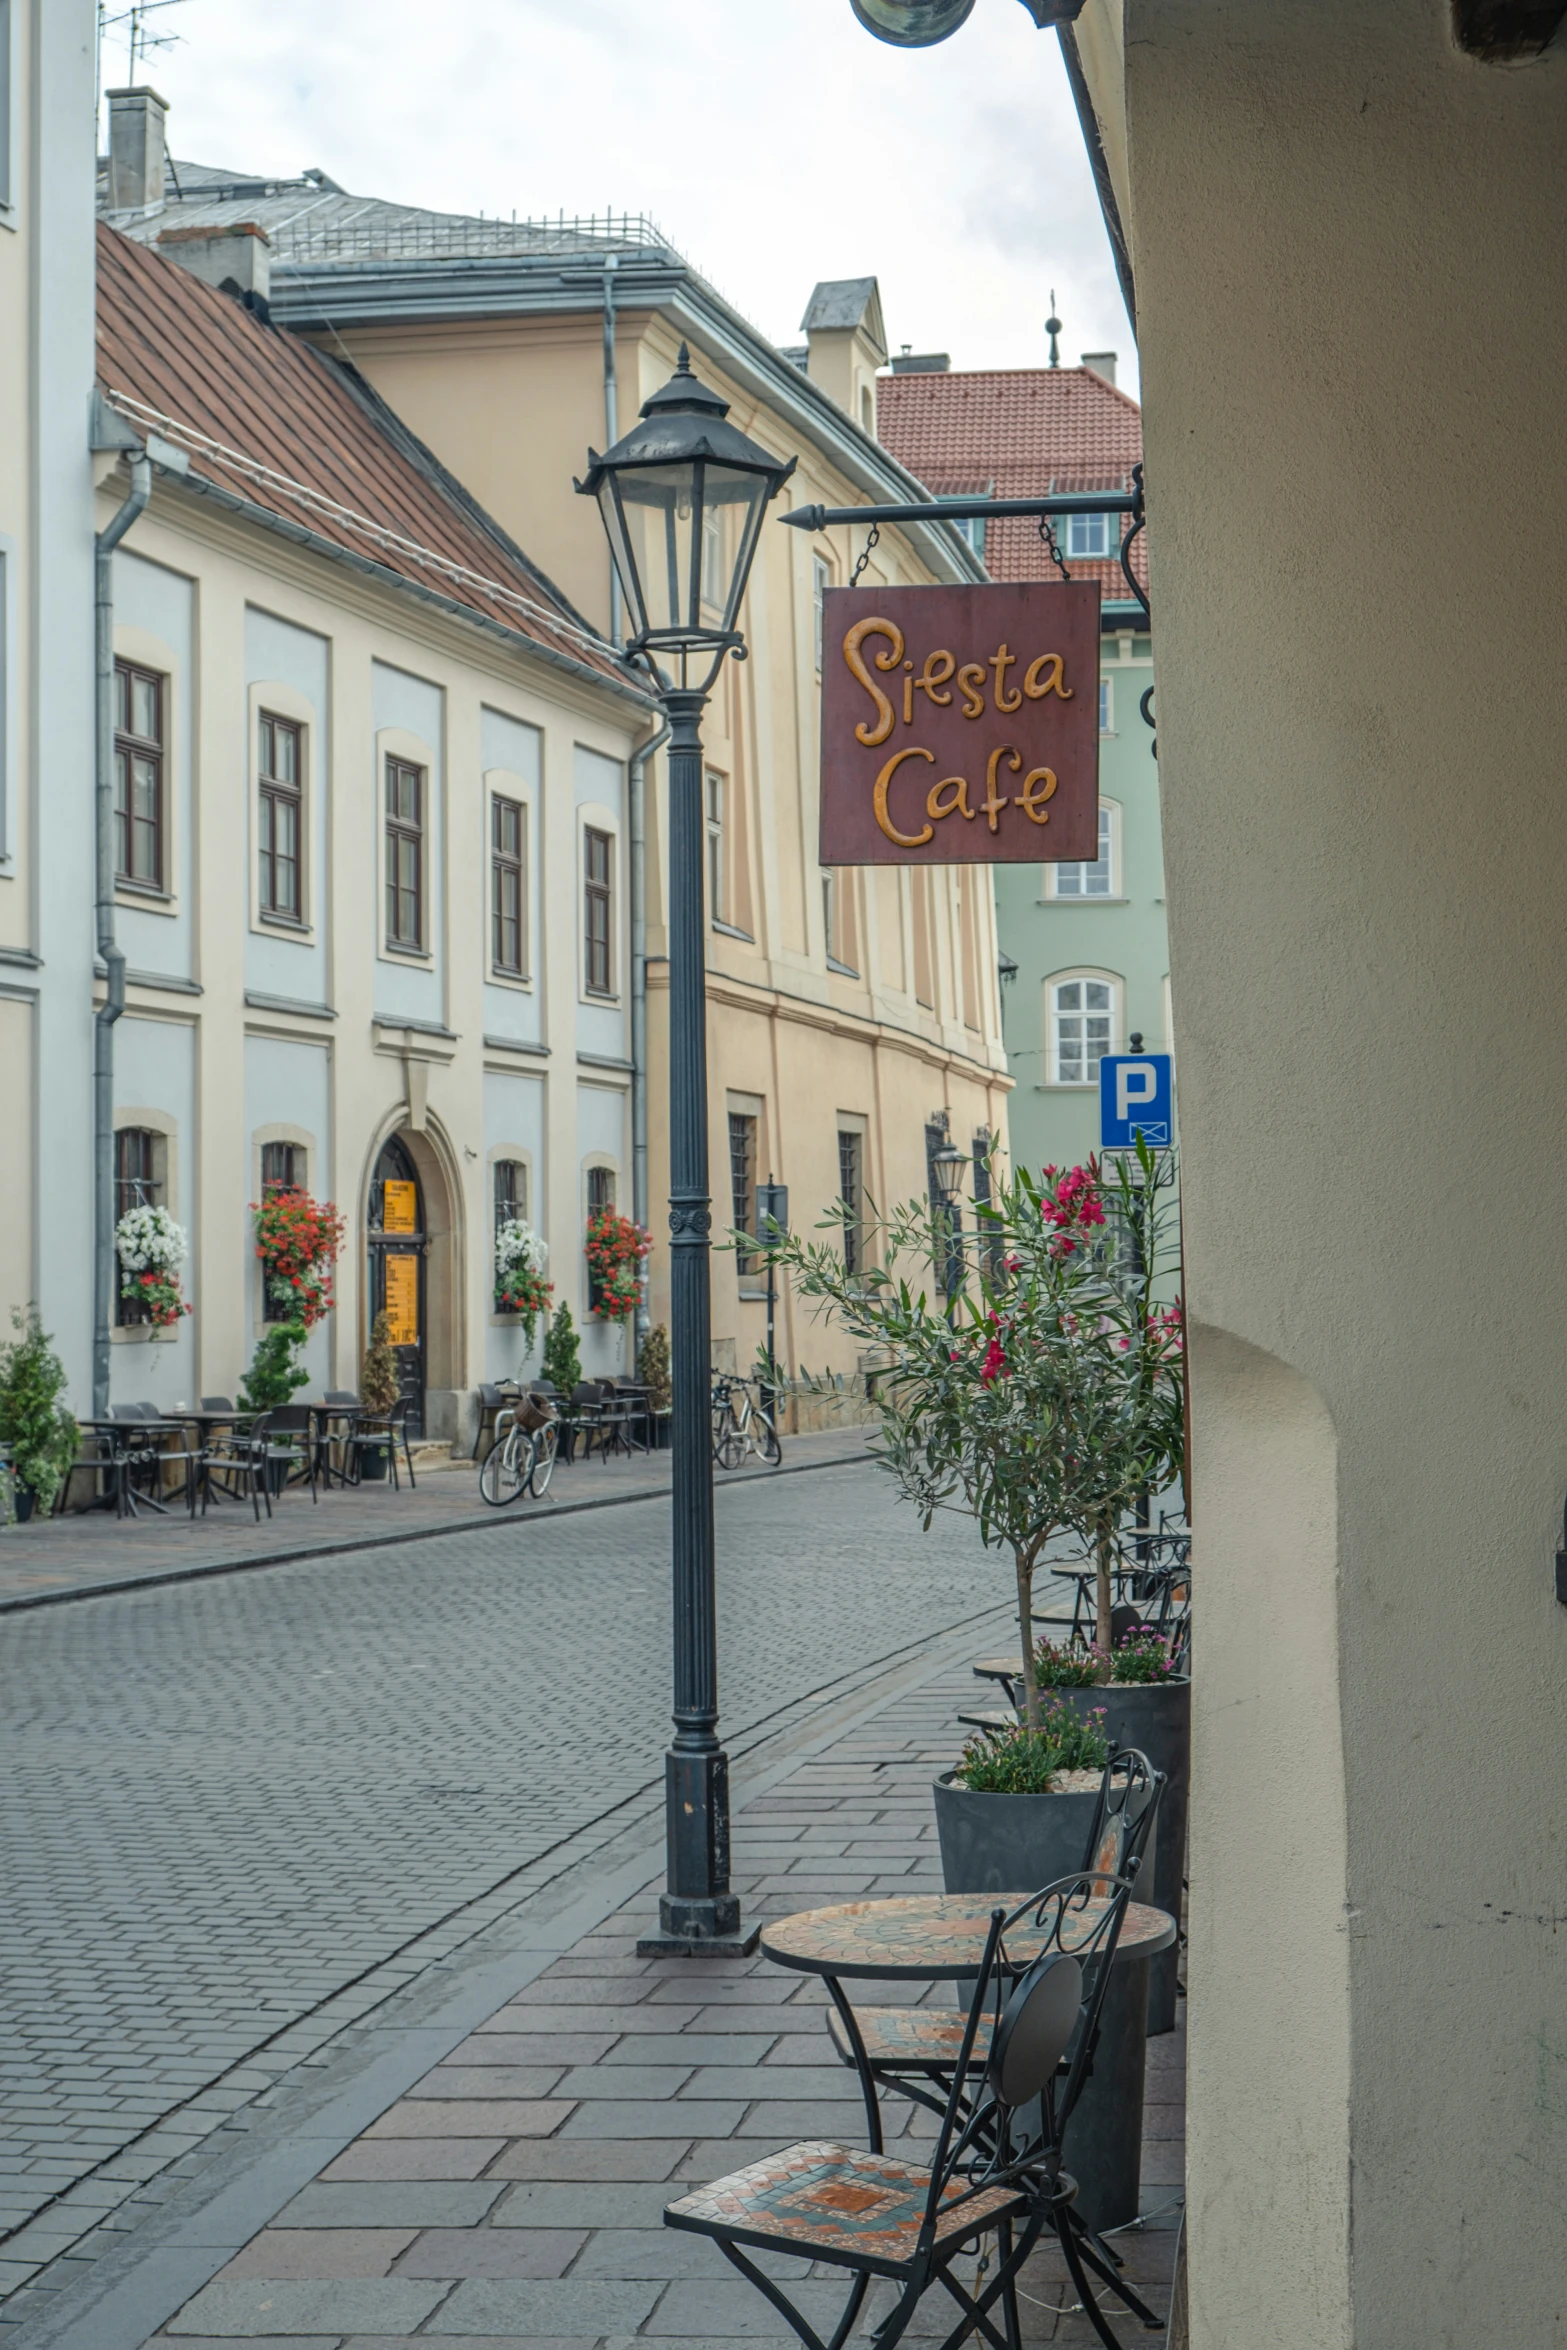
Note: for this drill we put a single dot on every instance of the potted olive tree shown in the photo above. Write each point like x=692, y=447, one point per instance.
x=37, y=1432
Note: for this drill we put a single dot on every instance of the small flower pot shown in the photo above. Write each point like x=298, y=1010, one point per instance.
x=26, y=1502
x=1156, y=1718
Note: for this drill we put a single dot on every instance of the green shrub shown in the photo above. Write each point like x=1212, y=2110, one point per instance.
x=42, y=1436
x=562, y=1365
x=380, y=1382
x=653, y=1369
x=275, y=1373
x=1025, y=1762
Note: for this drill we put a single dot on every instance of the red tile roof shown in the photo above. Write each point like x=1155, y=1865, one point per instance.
x=266, y=418
x=1016, y=431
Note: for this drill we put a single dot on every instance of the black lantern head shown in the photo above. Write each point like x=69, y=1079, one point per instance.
x=912, y=24
x=682, y=496
x=947, y=1167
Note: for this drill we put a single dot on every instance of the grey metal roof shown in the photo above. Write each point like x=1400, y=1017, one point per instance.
x=839, y=302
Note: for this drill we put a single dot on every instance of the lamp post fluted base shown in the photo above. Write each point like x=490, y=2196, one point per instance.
x=698, y=1917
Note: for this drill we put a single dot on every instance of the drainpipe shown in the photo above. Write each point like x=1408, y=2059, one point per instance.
x=639, y=1187
x=612, y=429
x=109, y=953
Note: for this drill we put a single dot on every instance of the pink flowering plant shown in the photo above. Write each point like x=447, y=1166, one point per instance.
x=1048, y=1392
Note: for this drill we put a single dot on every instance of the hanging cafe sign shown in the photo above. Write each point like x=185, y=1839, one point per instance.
x=960, y=725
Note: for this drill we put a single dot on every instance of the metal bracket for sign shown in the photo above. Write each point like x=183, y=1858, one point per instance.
x=1128, y=502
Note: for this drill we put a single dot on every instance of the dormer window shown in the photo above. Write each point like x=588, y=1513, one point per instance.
x=1088, y=535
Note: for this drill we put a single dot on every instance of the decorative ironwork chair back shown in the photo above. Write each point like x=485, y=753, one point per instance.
x=1125, y=1812
x=1081, y=1918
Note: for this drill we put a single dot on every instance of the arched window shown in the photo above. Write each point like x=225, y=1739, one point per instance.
x=138, y=1183
x=1084, y=1015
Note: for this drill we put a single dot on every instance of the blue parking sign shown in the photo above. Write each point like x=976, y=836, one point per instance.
x=1135, y=1099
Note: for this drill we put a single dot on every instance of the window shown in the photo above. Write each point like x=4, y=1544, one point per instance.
x=1088, y=535
x=404, y=854
x=1098, y=879
x=280, y=817
x=821, y=581
x=282, y=1167
x=508, y=882
x=598, y=963
x=742, y=1180
x=851, y=1190
x=511, y=1192
x=137, y=1184
x=717, y=906
x=601, y=1195
x=830, y=914
x=972, y=527
x=1082, y=1019
x=1106, y=705
x=139, y=749
x=713, y=556
x=948, y=1270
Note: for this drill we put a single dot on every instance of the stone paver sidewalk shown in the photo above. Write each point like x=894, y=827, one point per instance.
x=92, y=1551
x=513, y=2196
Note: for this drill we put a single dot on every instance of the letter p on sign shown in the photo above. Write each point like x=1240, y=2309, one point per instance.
x=1135, y=1099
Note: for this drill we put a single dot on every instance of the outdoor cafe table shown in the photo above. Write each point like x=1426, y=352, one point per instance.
x=940, y=1938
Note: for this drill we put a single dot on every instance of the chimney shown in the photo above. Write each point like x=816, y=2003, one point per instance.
x=136, y=119
x=1101, y=363
x=236, y=258
x=908, y=361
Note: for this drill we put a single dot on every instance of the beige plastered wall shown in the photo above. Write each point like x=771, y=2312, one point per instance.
x=779, y=1018
x=384, y=1079
x=1353, y=325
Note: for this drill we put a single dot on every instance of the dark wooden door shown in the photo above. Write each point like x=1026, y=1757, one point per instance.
x=398, y=1269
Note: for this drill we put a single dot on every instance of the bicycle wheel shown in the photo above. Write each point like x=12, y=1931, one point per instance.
x=764, y=1438
x=732, y=1446
x=546, y=1443
x=504, y=1473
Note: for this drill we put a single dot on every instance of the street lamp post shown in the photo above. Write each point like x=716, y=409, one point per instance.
x=948, y=1167
x=682, y=497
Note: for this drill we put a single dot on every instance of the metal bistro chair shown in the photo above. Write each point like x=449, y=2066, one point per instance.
x=338, y=1418
x=914, y=2049
x=878, y=2215
x=232, y=1463
x=501, y=1396
x=582, y=1416
x=292, y=1441
x=385, y=1430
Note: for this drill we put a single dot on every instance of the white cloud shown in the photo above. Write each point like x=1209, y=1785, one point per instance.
x=773, y=140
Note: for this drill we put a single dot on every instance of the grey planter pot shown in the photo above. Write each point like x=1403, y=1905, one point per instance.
x=1016, y=1844
x=1157, y=1719
x=1008, y=1843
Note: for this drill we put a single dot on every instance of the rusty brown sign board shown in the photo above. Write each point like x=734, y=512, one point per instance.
x=960, y=725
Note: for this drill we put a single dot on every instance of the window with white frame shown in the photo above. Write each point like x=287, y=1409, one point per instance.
x=1082, y=1015
x=717, y=895
x=1107, y=705
x=1096, y=877
x=821, y=581
x=1088, y=535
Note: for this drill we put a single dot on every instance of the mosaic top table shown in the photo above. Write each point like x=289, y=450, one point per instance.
x=940, y=1938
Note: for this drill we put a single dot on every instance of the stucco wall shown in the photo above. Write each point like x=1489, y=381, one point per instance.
x=1348, y=246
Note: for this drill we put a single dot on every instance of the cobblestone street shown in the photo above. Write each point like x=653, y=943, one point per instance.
x=242, y=1812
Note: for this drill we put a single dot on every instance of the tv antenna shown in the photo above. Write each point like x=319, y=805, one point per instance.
x=140, y=38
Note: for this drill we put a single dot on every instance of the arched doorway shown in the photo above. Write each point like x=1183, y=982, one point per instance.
x=398, y=1283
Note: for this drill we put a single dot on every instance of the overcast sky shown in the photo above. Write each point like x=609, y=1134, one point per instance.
x=773, y=140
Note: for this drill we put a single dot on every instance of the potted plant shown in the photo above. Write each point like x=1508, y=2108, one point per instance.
x=274, y=1377
x=298, y=1239
x=615, y=1249
x=39, y=1434
x=653, y=1369
x=520, y=1286
x=151, y=1248
x=380, y=1385
x=562, y=1365
x=1016, y=1811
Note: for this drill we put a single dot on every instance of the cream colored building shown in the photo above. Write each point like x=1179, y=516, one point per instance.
x=383, y=762
x=1346, y=226
x=850, y=1013
x=46, y=670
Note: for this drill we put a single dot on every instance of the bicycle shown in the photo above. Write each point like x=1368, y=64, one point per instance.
x=521, y=1460
x=743, y=1429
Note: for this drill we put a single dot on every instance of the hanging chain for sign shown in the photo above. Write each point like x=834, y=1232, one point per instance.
x=873, y=540
x=1051, y=548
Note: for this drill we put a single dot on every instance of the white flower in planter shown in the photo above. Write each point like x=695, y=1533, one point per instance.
x=149, y=1241
x=518, y=1249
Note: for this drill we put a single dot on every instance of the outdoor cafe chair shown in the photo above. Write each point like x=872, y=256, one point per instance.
x=232, y=1462
x=501, y=1396
x=337, y=1417
x=913, y=2049
x=383, y=1431
x=582, y=1416
x=994, y=2171
x=291, y=1444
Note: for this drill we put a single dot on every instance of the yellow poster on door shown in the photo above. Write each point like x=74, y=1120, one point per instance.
x=402, y=1299
x=399, y=1207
